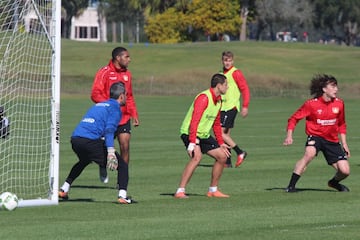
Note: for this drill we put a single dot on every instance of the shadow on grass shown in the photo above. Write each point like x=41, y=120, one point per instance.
x=93, y=187
x=301, y=189
x=189, y=194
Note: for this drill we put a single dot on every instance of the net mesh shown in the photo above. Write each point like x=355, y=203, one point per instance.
x=25, y=95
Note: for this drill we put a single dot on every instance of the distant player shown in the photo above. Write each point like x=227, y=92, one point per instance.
x=238, y=88
x=4, y=124
x=325, y=121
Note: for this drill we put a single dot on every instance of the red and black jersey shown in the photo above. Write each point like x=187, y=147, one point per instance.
x=104, y=78
x=323, y=119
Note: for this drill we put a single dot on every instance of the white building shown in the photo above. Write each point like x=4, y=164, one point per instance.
x=89, y=26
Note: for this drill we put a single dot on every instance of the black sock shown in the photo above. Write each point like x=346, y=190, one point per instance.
x=238, y=150
x=228, y=161
x=294, y=179
x=334, y=181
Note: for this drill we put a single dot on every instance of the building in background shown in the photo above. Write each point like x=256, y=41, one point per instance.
x=90, y=25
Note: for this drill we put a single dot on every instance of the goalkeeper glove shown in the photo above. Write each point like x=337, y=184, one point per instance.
x=112, y=162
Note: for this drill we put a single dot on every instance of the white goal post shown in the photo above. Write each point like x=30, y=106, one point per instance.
x=30, y=38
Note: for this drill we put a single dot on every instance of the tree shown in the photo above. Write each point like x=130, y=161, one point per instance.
x=72, y=8
x=215, y=16
x=288, y=14
x=339, y=19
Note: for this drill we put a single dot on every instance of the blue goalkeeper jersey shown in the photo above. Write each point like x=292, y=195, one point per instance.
x=101, y=120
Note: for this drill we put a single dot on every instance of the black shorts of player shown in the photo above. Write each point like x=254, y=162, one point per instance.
x=332, y=151
x=206, y=144
x=124, y=128
x=227, y=118
x=89, y=150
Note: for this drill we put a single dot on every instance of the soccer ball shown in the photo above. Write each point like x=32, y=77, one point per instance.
x=8, y=201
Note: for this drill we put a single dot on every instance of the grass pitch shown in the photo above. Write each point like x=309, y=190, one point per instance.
x=257, y=209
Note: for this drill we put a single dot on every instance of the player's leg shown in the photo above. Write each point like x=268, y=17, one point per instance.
x=214, y=150
x=227, y=123
x=189, y=168
x=336, y=157
x=300, y=167
x=87, y=151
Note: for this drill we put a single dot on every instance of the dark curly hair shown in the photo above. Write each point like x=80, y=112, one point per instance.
x=320, y=81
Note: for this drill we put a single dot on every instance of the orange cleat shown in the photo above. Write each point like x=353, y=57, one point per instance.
x=217, y=194
x=180, y=195
x=63, y=195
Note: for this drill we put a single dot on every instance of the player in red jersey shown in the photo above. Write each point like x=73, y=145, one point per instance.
x=117, y=71
x=325, y=122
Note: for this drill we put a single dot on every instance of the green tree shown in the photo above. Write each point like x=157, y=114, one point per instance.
x=338, y=19
x=167, y=27
x=215, y=16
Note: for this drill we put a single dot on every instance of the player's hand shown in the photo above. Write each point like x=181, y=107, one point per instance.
x=112, y=162
x=288, y=141
x=136, y=122
x=244, y=112
x=226, y=148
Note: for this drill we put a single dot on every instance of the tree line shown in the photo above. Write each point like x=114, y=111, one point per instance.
x=173, y=21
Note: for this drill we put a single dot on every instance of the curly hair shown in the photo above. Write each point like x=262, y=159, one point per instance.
x=320, y=81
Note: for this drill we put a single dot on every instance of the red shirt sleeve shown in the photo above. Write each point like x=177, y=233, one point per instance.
x=342, y=122
x=299, y=114
x=243, y=87
x=200, y=104
x=217, y=130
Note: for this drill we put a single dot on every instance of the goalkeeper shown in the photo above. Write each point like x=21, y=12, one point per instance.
x=93, y=141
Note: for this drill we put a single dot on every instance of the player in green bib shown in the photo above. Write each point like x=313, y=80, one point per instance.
x=203, y=117
x=238, y=89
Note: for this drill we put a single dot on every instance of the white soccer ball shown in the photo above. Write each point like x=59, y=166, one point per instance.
x=8, y=201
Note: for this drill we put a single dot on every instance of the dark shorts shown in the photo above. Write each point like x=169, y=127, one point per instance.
x=89, y=150
x=227, y=118
x=124, y=128
x=333, y=152
x=206, y=144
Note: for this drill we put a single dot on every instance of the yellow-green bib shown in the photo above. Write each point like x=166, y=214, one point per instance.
x=231, y=98
x=207, y=119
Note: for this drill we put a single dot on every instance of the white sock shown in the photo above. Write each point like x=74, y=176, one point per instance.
x=213, y=189
x=122, y=193
x=180, y=190
x=65, y=187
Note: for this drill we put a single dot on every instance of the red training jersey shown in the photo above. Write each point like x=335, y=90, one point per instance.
x=100, y=92
x=323, y=119
x=200, y=104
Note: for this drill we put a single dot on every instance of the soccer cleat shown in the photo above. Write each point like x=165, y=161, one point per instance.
x=290, y=189
x=63, y=195
x=180, y=195
x=240, y=158
x=338, y=186
x=217, y=194
x=103, y=174
x=126, y=200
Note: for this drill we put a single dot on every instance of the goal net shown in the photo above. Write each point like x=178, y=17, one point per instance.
x=30, y=99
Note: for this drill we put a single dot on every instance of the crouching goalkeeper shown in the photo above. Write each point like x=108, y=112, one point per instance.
x=93, y=141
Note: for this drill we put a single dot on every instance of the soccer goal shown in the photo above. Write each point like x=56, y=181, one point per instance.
x=30, y=97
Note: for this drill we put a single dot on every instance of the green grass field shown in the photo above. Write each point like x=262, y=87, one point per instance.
x=258, y=207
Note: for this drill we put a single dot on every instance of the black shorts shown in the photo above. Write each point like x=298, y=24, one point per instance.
x=89, y=150
x=227, y=118
x=332, y=151
x=124, y=128
x=206, y=144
